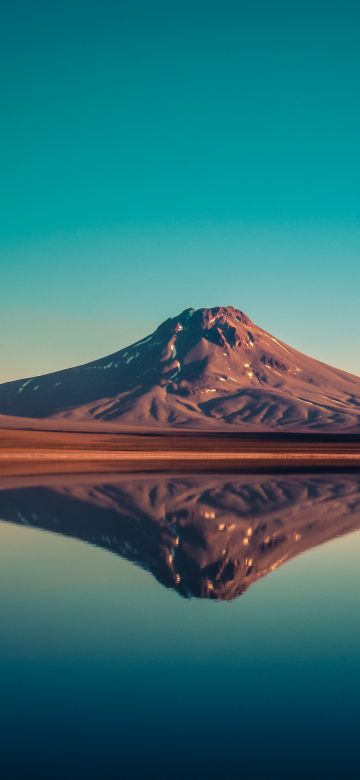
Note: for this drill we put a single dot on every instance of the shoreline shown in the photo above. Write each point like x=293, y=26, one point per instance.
x=37, y=451
x=33, y=462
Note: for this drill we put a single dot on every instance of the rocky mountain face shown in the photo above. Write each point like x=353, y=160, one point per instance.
x=209, y=368
x=208, y=536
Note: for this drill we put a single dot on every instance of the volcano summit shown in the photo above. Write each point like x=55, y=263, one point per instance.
x=211, y=369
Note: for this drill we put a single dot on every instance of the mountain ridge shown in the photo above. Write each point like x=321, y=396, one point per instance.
x=204, y=368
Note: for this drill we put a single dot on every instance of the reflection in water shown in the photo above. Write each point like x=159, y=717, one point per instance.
x=207, y=536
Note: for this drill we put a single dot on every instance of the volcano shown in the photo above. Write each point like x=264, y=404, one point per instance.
x=211, y=369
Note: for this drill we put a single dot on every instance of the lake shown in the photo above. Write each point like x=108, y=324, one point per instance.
x=198, y=626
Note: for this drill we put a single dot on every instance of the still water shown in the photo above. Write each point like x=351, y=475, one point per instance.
x=185, y=626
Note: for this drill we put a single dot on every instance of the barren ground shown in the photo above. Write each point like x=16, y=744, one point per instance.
x=49, y=451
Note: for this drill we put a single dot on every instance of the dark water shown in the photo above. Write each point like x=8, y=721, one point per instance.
x=192, y=626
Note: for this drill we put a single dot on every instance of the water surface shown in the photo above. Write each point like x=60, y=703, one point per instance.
x=198, y=626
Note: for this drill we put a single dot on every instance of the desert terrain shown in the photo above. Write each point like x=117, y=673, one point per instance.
x=47, y=450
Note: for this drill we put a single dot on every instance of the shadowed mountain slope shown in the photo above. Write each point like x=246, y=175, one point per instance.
x=210, y=368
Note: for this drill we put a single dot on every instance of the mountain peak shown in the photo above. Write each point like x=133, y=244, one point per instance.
x=223, y=325
x=206, y=316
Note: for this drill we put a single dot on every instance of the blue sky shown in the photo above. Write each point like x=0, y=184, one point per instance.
x=162, y=155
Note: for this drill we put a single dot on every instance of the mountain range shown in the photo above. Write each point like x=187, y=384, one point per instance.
x=204, y=369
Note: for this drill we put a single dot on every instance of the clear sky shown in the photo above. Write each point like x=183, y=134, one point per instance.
x=160, y=155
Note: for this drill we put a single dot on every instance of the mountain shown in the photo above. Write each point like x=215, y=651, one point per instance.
x=208, y=536
x=209, y=368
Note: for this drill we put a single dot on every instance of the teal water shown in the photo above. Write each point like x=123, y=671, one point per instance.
x=106, y=672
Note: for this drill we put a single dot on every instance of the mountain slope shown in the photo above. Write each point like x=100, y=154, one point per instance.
x=208, y=368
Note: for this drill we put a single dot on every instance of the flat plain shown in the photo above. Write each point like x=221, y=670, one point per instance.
x=31, y=451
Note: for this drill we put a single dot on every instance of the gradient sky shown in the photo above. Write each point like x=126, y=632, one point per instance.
x=160, y=155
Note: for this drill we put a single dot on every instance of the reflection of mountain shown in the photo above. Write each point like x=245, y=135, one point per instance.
x=207, y=536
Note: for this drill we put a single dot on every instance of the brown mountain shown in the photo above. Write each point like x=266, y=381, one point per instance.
x=210, y=368
x=210, y=536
